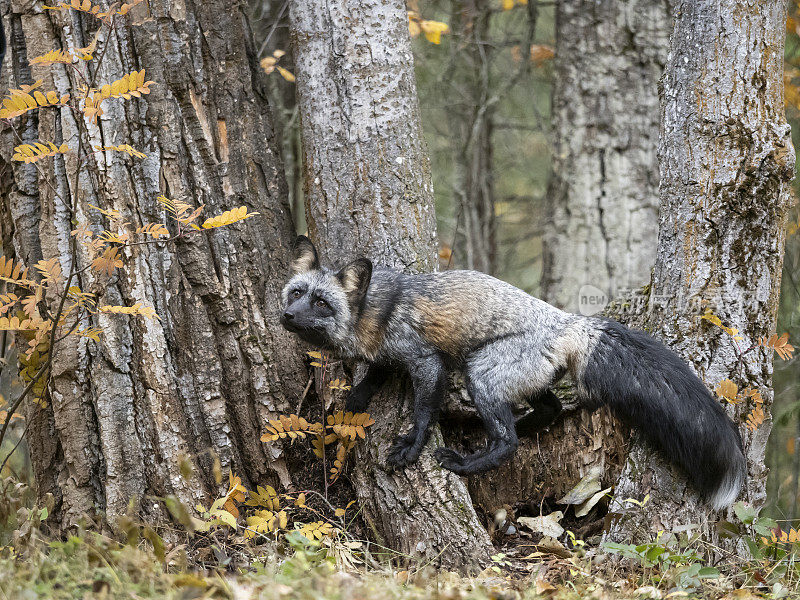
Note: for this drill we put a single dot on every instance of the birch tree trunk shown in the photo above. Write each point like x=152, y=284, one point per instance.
x=726, y=162
x=603, y=191
x=603, y=207
x=121, y=412
x=368, y=192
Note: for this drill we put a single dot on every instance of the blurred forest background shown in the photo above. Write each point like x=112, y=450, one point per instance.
x=479, y=98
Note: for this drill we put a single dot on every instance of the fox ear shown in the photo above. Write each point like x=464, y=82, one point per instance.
x=355, y=278
x=304, y=256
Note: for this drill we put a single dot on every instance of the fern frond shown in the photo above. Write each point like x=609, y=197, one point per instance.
x=123, y=148
x=20, y=101
x=7, y=302
x=132, y=84
x=29, y=153
x=50, y=270
x=52, y=57
x=13, y=273
x=228, y=217
x=17, y=324
x=87, y=52
x=93, y=107
x=112, y=214
x=292, y=427
x=180, y=210
x=780, y=345
x=107, y=262
x=92, y=333
x=84, y=6
x=154, y=230
x=148, y=312
x=317, y=530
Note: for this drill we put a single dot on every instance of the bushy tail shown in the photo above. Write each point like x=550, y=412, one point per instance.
x=648, y=385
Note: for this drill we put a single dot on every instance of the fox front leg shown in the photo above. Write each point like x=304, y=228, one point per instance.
x=430, y=382
x=364, y=390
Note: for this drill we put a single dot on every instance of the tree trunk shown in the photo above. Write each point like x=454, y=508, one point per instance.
x=603, y=214
x=368, y=192
x=726, y=163
x=604, y=210
x=471, y=121
x=205, y=376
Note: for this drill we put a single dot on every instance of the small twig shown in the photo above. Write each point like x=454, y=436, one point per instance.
x=14, y=449
x=324, y=421
x=272, y=29
x=303, y=397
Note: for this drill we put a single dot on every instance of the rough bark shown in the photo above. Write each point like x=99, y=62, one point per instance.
x=726, y=162
x=602, y=219
x=368, y=191
x=216, y=365
x=603, y=207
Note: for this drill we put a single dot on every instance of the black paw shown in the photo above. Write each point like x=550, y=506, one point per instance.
x=404, y=451
x=449, y=459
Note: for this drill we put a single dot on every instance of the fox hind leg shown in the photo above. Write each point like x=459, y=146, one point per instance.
x=502, y=443
x=496, y=374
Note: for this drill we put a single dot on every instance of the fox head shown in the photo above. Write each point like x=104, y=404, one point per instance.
x=320, y=305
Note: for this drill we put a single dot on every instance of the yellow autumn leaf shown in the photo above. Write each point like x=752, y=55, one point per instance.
x=433, y=30
x=228, y=217
x=287, y=75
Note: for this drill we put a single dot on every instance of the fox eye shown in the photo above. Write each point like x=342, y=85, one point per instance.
x=296, y=294
x=320, y=303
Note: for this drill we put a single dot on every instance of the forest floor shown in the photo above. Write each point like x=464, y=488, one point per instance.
x=90, y=565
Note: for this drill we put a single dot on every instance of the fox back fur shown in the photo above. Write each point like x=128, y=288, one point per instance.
x=511, y=346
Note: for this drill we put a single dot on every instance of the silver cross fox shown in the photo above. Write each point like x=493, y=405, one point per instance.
x=511, y=346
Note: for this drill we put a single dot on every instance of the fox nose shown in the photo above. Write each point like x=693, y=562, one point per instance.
x=288, y=315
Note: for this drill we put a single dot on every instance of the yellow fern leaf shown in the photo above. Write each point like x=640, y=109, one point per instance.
x=50, y=270
x=127, y=6
x=14, y=272
x=20, y=101
x=29, y=153
x=728, y=390
x=84, y=6
x=123, y=148
x=132, y=84
x=228, y=217
x=147, y=312
x=107, y=263
x=52, y=57
x=7, y=302
x=755, y=418
x=780, y=345
x=93, y=107
x=17, y=324
x=87, y=52
x=154, y=230
x=92, y=333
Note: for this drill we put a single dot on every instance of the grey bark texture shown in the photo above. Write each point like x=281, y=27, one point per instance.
x=726, y=162
x=216, y=365
x=602, y=218
x=603, y=214
x=368, y=192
